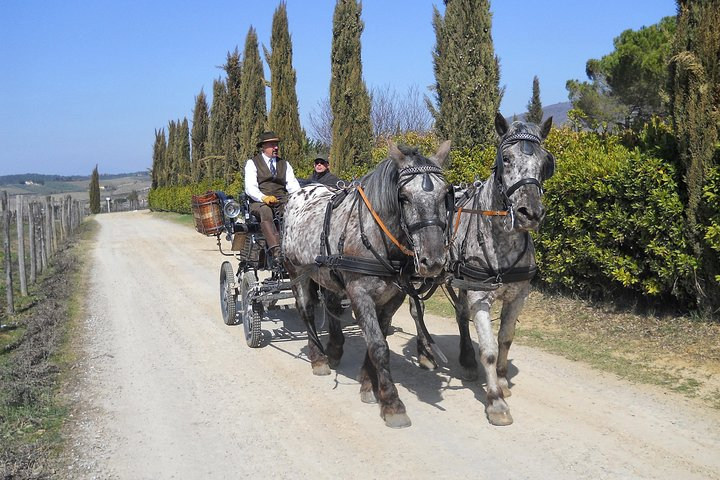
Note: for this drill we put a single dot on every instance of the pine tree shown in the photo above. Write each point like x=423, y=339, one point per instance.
x=217, y=132
x=467, y=73
x=95, y=191
x=349, y=99
x=233, y=69
x=284, y=118
x=694, y=75
x=534, y=107
x=253, y=106
x=158, y=160
x=200, y=127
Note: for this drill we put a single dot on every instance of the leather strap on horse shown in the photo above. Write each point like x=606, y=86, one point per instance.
x=365, y=266
x=488, y=213
x=410, y=290
x=382, y=226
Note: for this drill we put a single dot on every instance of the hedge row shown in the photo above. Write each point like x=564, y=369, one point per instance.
x=615, y=221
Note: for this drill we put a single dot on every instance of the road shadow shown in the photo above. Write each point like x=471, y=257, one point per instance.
x=283, y=324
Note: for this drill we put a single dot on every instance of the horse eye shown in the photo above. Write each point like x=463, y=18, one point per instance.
x=403, y=198
x=506, y=159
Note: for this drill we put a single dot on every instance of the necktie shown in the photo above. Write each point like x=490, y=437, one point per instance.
x=273, y=170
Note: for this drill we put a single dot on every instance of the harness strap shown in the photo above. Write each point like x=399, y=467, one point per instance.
x=382, y=226
x=488, y=213
x=369, y=246
x=410, y=290
x=482, y=279
x=366, y=266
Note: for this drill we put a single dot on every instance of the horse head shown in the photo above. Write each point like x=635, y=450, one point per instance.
x=422, y=194
x=521, y=167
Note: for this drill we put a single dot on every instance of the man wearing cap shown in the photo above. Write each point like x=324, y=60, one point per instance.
x=322, y=173
x=268, y=181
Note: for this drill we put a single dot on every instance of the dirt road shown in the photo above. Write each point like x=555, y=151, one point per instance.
x=167, y=390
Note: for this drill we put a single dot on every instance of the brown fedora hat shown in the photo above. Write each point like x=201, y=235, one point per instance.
x=267, y=137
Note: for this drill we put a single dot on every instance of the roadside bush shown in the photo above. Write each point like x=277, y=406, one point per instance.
x=615, y=222
x=178, y=198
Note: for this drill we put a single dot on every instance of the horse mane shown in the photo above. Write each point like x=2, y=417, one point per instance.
x=380, y=185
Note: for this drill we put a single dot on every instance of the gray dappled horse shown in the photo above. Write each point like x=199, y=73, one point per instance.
x=333, y=240
x=492, y=256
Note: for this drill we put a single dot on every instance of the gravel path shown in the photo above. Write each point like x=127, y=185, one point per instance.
x=166, y=390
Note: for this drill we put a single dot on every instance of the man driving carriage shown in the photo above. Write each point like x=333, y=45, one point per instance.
x=269, y=179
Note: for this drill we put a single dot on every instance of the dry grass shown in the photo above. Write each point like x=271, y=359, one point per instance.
x=681, y=354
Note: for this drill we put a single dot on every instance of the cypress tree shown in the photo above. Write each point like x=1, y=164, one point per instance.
x=694, y=103
x=200, y=127
x=95, y=191
x=217, y=132
x=183, y=152
x=467, y=73
x=171, y=163
x=534, y=107
x=233, y=69
x=158, y=160
x=349, y=99
x=284, y=118
x=253, y=107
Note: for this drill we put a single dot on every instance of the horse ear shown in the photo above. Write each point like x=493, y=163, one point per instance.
x=396, y=155
x=441, y=155
x=501, y=125
x=394, y=152
x=545, y=128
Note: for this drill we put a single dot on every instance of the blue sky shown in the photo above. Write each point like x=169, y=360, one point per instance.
x=87, y=82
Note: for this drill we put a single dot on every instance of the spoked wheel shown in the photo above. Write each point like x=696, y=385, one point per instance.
x=249, y=313
x=228, y=294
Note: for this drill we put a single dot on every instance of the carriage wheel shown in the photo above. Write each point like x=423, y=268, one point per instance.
x=228, y=294
x=250, y=314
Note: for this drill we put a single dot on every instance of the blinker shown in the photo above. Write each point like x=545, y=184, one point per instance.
x=527, y=147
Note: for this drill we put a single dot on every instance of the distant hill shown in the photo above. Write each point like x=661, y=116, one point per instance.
x=558, y=111
x=111, y=185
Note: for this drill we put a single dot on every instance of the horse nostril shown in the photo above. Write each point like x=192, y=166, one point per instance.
x=535, y=214
x=524, y=212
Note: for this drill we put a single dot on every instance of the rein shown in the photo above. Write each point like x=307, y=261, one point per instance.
x=381, y=224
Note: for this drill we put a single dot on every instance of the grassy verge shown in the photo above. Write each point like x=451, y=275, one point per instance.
x=680, y=354
x=32, y=361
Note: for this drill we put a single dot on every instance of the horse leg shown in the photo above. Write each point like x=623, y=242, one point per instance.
x=334, y=349
x=426, y=359
x=306, y=307
x=375, y=325
x=496, y=409
x=508, y=318
x=467, y=353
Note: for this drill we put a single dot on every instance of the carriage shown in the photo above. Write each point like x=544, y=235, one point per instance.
x=258, y=283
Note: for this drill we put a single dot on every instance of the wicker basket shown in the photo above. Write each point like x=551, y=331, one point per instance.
x=207, y=213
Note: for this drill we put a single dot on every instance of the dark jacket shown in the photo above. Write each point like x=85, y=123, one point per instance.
x=326, y=178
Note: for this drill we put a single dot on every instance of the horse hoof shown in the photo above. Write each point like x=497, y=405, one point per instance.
x=499, y=419
x=397, y=420
x=427, y=363
x=368, y=397
x=321, y=369
x=504, y=387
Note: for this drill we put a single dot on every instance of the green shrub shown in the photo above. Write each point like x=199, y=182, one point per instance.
x=178, y=198
x=614, y=222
